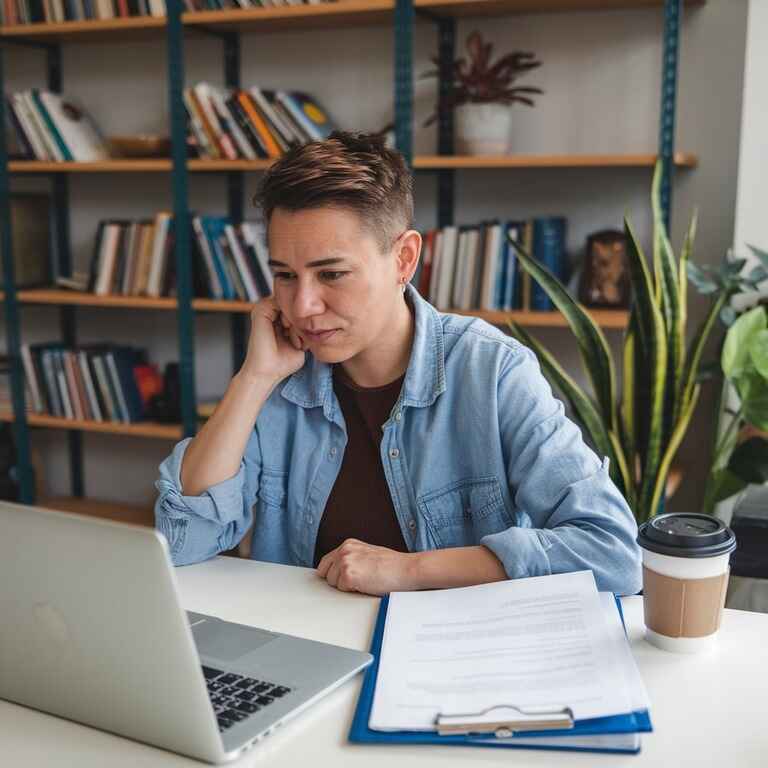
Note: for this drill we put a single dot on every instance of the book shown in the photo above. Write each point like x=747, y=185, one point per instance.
x=80, y=135
x=549, y=250
x=308, y=113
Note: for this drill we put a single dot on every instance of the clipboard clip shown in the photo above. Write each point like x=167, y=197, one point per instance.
x=505, y=719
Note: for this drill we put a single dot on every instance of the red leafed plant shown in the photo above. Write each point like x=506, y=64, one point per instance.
x=477, y=80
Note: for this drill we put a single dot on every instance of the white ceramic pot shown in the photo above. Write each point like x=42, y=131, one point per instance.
x=482, y=129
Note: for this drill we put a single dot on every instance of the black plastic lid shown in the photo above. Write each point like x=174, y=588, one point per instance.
x=685, y=534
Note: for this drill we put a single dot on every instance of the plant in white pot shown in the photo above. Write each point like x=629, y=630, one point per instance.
x=481, y=96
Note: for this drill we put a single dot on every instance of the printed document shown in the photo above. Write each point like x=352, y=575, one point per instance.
x=525, y=642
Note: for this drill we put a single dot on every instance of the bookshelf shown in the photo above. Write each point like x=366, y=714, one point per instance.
x=180, y=28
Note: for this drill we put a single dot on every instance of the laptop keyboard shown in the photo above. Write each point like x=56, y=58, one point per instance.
x=235, y=697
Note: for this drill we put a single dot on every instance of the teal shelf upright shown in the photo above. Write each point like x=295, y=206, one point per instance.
x=181, y=220
x=10, y=304
x=669, y=103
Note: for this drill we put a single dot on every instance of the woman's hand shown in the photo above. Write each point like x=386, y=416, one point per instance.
x=275, y=350
x=359, y=567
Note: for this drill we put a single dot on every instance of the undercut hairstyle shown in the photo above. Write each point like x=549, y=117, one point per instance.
x=353, y=171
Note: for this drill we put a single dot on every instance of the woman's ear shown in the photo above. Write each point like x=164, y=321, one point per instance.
x=409, y=250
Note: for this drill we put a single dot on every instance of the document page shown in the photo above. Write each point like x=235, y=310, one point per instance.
x=524, y=642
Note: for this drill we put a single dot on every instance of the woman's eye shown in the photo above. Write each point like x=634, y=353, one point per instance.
x=331, y=276
x=283, y=276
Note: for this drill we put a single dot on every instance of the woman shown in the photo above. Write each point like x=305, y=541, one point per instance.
x=391, y=446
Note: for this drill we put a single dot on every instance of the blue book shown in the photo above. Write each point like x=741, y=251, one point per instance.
x=549, y=250
x=623, y=728
x=501, y=267
x=213, y=226
x=515, y=231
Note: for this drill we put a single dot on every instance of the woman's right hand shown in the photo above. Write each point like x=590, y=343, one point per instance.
x=275, y=350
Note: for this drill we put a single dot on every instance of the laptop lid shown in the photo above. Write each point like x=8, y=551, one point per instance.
x=93, y=630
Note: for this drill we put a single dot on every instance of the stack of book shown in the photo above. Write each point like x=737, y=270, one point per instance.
x=51, y=11
x=475, y=267
x=47, y=127
x=136, y=258
x=232, y=261
x=100, y=382
x=252, y=123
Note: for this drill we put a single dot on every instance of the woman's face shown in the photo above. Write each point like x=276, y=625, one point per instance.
x=332, y=283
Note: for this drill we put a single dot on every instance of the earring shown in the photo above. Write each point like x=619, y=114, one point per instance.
x=403, y=282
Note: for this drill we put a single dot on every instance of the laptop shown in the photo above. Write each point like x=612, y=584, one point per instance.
x=93, y=631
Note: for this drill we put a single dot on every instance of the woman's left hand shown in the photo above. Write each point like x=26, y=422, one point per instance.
x=355, y=566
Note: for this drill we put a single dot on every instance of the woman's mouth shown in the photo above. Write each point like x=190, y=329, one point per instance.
x=318, y=336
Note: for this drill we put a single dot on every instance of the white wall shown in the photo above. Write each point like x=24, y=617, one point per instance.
x=601, y=75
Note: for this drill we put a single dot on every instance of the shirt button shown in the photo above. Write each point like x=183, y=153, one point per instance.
x=333, y=451
x=398, y=416
x=310, y=519
x=412, y=525
x=394, y=453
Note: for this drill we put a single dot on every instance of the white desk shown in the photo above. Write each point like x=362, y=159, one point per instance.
x=707, y=711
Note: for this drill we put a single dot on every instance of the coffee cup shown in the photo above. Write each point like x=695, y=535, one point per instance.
x=685, y=578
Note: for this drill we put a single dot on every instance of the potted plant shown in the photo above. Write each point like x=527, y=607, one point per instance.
x=481, y=95
x=640, y=427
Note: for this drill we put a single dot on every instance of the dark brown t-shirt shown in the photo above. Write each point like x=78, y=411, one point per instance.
x=360, y=506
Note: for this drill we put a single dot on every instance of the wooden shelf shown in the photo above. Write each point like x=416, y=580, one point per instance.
x=469, y=8
x=57, y=297
x=420, y=162
x=424, y=162
x=348, y=13
x=96, y=30
x=605, y=318
x=110, y=510
x=140, y=429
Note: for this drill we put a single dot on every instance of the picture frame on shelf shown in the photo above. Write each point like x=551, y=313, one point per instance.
x=604, y=280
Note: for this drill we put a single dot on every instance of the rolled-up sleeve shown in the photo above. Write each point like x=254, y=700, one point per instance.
x=578, y=518
x=199, y=527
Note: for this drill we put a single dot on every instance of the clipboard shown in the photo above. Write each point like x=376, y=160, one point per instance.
x=503, y=726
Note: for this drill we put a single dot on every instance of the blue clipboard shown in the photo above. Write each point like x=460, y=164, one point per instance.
x=630, y=723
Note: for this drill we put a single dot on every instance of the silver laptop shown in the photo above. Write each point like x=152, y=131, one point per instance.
x=92, y=630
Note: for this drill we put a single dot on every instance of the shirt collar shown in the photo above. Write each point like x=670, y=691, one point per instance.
x=312, y=386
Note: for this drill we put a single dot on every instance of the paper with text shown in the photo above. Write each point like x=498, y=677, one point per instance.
x=524, y=642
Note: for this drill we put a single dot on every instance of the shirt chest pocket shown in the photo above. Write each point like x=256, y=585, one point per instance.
x=273, y=489
x=461, y=513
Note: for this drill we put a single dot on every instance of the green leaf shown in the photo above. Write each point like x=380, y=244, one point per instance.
x=727, y=484
x=733, y=268
x=757, y=275
x=762, y=255
x=739, y=339
x=753, y=391
x=660, y=480
x=728, y=316
x=584, y=409
x=701, y=279
x=651, y=324
x=758, y=352
x=593, y=347
x=749, y=461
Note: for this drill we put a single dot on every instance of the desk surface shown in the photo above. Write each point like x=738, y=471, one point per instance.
x=707, y=710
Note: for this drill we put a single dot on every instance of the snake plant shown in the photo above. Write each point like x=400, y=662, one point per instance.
x=641, y=425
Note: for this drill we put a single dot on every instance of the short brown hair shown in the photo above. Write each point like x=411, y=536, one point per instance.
x=355, y=171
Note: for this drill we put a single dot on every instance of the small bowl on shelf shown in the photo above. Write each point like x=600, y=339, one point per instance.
x=140, y=145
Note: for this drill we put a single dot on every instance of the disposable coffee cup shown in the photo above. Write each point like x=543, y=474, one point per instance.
x=685, y=578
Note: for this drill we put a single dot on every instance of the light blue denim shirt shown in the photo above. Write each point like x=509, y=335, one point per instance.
x=476, y=451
